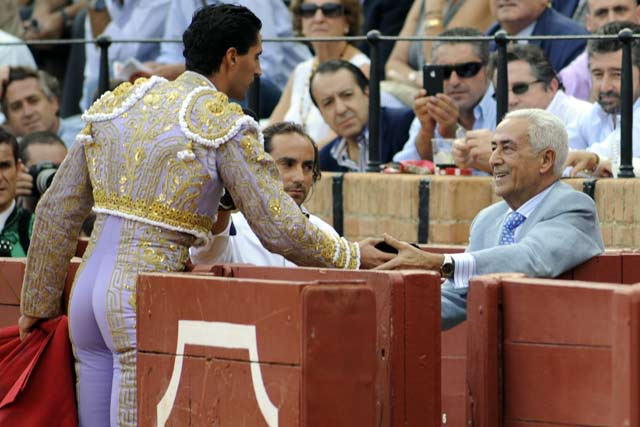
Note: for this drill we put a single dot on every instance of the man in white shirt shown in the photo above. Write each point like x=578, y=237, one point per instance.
x=542, y=227
x=532, y=84
x=296, y=157
x=466, y=103
x=576, y=77
x=598, y=131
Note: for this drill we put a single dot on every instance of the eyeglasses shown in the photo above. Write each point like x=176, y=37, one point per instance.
x=329, y=10
x=464, y=70
x=521, y=88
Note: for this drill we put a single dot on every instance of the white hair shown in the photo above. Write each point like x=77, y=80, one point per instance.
x=545, y=131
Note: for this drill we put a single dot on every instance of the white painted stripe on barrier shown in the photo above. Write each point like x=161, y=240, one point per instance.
x=224, y=335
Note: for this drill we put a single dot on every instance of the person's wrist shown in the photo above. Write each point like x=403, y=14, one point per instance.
x=448, y=131
x=447, y=267
x=596, y=162
x=436, y=261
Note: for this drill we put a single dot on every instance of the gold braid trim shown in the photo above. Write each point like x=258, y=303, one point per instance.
x=154, y=211
x=208, y=118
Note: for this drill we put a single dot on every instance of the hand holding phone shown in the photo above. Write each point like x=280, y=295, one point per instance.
x=385, y=247
x=433, y=79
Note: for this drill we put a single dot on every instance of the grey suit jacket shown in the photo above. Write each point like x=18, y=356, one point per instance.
x=561, y=233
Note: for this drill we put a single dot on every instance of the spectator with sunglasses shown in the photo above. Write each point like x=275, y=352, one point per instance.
x=319, y=18
x=532, y=84
x=467, y=102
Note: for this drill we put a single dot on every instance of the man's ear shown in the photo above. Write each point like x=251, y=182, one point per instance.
x=231, y=56
x=547, y=161
x=56, y=104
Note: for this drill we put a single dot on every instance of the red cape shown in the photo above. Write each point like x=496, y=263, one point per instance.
x=36, y=377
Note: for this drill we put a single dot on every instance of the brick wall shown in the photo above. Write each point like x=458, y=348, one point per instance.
x=375, y=203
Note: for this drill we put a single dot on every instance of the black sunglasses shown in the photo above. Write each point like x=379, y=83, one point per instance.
x=464, y=70
x=521, y=88
x=329, y=10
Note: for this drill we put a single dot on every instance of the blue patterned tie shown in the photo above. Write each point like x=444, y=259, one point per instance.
x=514, y=219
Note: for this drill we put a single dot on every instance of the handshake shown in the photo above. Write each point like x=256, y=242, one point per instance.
x=389, y=253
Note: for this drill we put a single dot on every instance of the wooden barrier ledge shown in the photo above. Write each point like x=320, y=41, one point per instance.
x=407, y=336
x=550, y=352
x=614, y=266
x=227, y=351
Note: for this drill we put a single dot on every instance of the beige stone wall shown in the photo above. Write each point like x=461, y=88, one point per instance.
x=376, y=203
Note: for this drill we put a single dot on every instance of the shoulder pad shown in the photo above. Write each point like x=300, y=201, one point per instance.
x=208, y=118
x=113, y=103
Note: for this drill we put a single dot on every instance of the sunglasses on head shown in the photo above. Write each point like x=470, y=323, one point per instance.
x=329, y=10
x=464, y=70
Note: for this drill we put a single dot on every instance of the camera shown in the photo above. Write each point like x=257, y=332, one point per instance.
x=42, y=174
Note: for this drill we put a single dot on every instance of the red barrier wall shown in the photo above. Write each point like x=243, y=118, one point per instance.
x=557, y=353
x=612, y=267
x=408, y=336
x=313, y=352
x=11, y=275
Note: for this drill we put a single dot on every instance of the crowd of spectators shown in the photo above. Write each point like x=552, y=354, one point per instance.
x=322, y=86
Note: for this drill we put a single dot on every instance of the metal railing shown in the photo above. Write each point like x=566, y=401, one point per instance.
x=374, y=38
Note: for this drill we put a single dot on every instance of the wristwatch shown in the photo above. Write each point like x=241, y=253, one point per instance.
x=448, y=267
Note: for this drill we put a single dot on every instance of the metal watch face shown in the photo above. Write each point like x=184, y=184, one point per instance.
x=447, y=269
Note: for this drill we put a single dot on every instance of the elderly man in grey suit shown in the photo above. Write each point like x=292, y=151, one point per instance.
x=542, y=228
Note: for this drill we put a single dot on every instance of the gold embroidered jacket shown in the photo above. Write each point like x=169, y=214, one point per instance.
x=161, y=152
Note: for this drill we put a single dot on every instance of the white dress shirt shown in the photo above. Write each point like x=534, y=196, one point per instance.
x=595, y=126
x=569, y=109
x=465, y=263
x=244, y=247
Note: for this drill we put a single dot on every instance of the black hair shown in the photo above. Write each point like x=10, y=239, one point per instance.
x=42, y=137
x=599, y=46
x=533, y=55
x=213, y=30
x=8, y=138
x=335, y=65
x=283, y=128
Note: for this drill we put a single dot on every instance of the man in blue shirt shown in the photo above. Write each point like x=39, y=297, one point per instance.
x=467, y=102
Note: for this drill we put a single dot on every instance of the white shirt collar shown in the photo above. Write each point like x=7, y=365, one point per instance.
x=4, y=216
x=530, y=205
x=341, y=154
x=526, y=32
